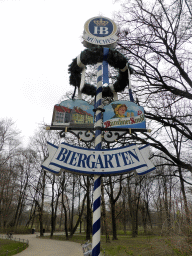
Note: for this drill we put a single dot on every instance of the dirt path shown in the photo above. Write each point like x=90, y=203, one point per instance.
x=48, y=247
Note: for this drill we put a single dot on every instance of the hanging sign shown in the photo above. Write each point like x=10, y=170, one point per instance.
x=102, y=162
x=100, y=31
x=124, y=114
x=73, y=113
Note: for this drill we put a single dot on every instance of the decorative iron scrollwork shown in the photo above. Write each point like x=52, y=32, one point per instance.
x=112, y=136
x=85, y=136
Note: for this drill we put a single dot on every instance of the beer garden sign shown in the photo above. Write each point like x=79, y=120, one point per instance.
x=97, y=123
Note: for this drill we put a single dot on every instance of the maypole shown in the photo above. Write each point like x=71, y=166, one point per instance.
x=97, y=178
x=112, y=121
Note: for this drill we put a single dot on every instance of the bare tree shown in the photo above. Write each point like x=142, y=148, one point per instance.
x=24, y=166
x=156, y=37
x=114, y=194
x=9, y=146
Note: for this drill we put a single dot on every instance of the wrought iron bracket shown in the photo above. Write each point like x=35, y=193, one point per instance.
x=109, y=135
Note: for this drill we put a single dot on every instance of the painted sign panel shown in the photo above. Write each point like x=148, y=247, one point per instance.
x=124, y=114
x=90, y=161
x=100, y=31
x=73, y=113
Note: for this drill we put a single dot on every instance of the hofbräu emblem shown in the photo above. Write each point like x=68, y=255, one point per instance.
x=100, y=31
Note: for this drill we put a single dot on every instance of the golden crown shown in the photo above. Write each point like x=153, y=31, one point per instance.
x=101, y=22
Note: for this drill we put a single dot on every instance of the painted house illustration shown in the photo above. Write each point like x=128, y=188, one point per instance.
x=80, y=116
x=66, y=116
x=61, y=115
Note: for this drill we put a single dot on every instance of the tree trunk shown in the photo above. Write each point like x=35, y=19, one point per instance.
x=133, y=205
x=32, y=212
x=112, y=202
x=167, y=212
x=42, y=204
x=64, y=207
x=52, y=208
x=41, y=221
x=79, y=219
x=160, y=214
x=66, y=221
x=124, y=216
x=104, y=213
x=88, y=229
x=113, y=221
x=134, y=224
x=184, y=196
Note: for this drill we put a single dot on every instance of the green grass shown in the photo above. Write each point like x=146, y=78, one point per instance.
x=11, y=246
x=139, y=246
x=145, y=246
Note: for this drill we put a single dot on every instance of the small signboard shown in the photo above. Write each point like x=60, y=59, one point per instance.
x=124, y=114
x=73, y=113
x=100, y=31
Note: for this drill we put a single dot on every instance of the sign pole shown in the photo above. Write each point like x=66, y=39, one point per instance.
x=77, y=117
x=96, y=236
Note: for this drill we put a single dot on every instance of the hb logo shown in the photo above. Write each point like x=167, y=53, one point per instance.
x=101, y=30
x=101, y=27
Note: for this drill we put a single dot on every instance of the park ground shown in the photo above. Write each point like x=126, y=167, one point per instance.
x=143, y=245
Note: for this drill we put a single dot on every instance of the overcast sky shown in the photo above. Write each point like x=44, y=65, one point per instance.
x=38, y=40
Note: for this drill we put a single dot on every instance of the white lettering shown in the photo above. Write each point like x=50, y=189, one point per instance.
x=95, y=30
x=101, y=30
x=104, y=30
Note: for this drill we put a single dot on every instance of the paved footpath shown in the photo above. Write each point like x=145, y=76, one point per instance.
x=49, y=247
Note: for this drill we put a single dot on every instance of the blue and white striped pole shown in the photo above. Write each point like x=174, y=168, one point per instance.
x=97, y=179
x=130, y=89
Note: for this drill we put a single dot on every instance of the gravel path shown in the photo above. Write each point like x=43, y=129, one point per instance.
x=49, y=247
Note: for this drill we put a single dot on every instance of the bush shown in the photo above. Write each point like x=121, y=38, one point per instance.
x=18, y=230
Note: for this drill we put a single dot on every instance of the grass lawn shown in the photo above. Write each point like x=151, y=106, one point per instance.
x=140, y=246
x=11, y=246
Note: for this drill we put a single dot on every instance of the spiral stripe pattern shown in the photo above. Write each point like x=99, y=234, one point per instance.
x=97, y=179
x=130, y=89
x=96, y=216
x=98, y=121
